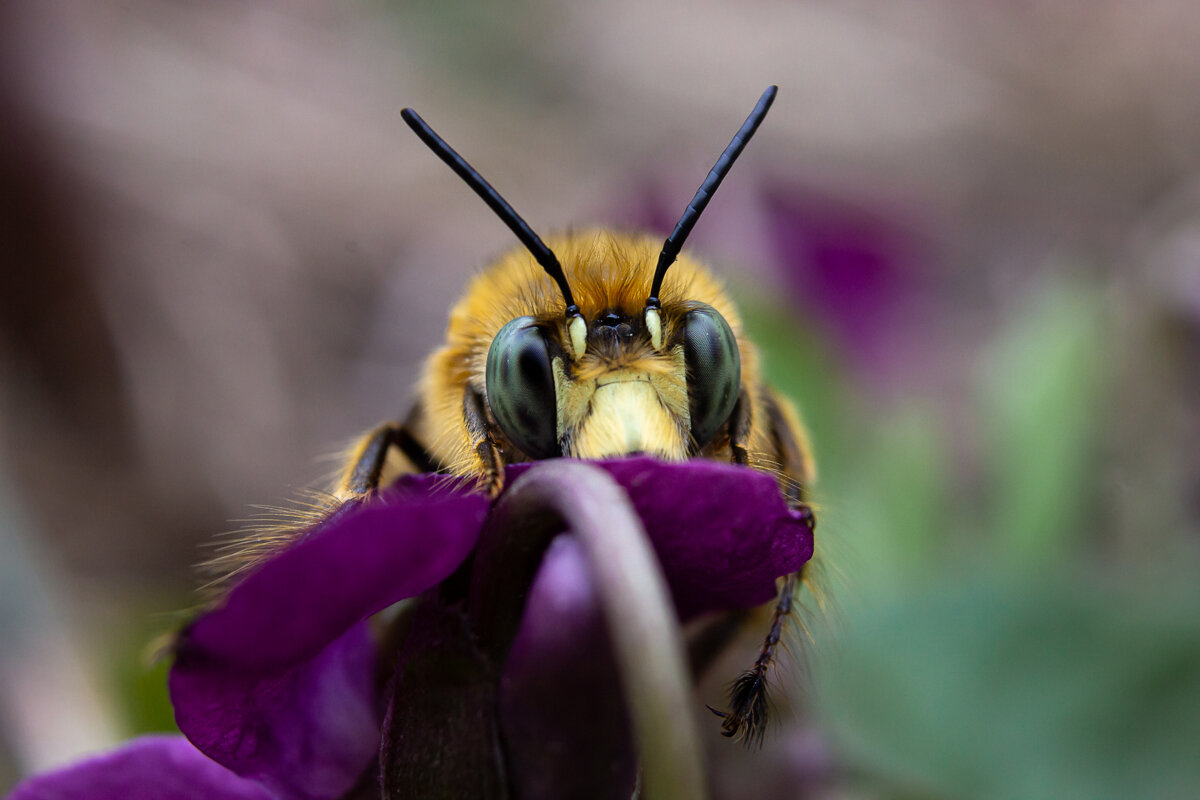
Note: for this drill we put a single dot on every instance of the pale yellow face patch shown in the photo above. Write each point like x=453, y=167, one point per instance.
x=625, y=411
x=627, y=417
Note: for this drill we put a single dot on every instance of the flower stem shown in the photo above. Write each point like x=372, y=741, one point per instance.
x=637, y=607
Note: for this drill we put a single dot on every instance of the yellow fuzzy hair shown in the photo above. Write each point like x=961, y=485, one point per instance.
x=607, y=271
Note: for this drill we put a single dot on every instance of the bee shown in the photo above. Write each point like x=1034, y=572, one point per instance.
x=592, y=345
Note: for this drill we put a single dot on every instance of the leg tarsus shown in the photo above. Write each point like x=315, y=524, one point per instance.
x=749, y=706
x=487, y=449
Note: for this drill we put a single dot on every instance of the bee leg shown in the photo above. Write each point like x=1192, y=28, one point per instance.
x=480, y=430
x=794, y=493
x=365, y=470
x=739, y=430
x=749, y=707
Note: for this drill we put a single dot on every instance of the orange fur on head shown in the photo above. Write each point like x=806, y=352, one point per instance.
x=607, y=272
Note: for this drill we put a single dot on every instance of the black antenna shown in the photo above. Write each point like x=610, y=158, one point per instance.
x=674, y=242
x=511, y=218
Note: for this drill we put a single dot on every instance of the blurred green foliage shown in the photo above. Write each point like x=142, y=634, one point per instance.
x=985, y=647
x=1042, y=391
x=1000, y=687
x=138, y=664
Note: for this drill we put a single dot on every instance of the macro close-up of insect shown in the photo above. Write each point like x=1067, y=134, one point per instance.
x=595, y=344
x=598, y=345
x=316, y=483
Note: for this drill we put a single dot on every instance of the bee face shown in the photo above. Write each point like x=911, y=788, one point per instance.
x=622, y=394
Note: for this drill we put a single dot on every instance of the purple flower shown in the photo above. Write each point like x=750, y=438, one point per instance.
x=506, y=673
x=160, y=767
x=854, y=269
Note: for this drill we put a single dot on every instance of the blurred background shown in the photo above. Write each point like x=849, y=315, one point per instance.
x=967, y=237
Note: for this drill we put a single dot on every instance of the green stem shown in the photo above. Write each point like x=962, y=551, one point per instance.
x=633, y=594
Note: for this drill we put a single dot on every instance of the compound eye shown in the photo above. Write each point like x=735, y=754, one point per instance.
x=714, y=371
x=520, y=388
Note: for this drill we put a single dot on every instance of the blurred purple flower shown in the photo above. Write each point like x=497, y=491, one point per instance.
x=291, y=693
x=853, y=270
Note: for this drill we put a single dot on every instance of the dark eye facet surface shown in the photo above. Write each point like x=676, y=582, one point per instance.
x=520, y=388
x=714, y=371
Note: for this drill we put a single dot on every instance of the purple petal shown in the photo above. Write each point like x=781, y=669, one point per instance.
x=151, y=768
x=278, y=682
x=723, y=533
x=360, y=561
x=561, y=709
x=306, y=733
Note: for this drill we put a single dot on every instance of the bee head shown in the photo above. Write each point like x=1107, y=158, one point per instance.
x=624, y=377
x=625, y=393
